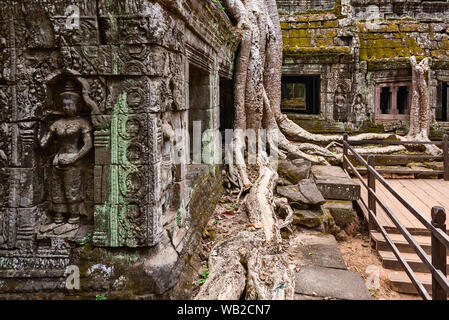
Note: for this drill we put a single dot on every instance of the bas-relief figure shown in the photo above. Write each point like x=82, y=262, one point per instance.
x=73, y=136
x=358, y=110
x=340, y=113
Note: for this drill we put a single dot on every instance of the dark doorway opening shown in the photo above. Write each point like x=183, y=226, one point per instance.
x=385, y=100
x=199, y=107
x=403, y=100
x=442, y=109
x=226, y=104
x=301, y=94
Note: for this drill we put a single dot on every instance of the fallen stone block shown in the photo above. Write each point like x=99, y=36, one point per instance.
x=305, y=192
x=342, y=212
x=308, y=218
x=334, y=183
x=294, y=170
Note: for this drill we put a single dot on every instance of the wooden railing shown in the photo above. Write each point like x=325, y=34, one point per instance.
x=418, y=157
x=437, y=227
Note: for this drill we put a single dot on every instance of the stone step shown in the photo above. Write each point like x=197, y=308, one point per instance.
x=320, y=250
x=400, y=242
x=389, y=261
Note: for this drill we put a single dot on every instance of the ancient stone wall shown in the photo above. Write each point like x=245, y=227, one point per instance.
x=304, y=5
x=359, y=45
x=92, y=108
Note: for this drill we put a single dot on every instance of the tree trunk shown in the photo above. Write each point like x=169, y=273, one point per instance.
x=253, y=260
x=420, y=105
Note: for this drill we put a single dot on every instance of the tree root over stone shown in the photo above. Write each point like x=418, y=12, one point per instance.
x=254, y=261
x=246, y=267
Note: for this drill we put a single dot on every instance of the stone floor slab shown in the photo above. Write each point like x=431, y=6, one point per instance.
x=321, y=250
x=328, y=282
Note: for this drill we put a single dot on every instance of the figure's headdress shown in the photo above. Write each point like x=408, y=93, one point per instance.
x=70, y=90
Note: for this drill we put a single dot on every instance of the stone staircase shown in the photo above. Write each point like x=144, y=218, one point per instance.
x=399, y=280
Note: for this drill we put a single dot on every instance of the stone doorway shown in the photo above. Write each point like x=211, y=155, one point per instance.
x=200, y=109
x=301, y=94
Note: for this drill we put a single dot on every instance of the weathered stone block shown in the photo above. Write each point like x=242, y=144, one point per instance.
x=25, y=187
x=342, y=212
x=305, y=192
x=67, y=32
x=129, y=225
x=320, y=250
x=334, y=183
x=328, y=282
x=294, y=170
x=308, y=218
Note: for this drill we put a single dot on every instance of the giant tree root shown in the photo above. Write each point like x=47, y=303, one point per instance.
x=247, y=264
x=252, y=262
x=260, y=203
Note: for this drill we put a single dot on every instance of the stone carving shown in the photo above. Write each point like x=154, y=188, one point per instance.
x=358, y=110
x=340, y=112
x=108, y=85
x=67, y=187
x=131, y=209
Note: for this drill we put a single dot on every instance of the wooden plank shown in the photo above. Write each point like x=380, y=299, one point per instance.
x=421, y=206
x=438, y=188
x=422, y=194
x=427, y=172
x=399, y=210
x=380, y=212
x=406, y=218
x=389, y=142
x=394, y=205
x=431, y=199
x=382, y=217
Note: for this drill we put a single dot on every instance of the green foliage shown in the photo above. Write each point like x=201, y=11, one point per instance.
x=204, y=274
x=374, y=293
x=235, y=206
x=220, y=3
x=100, y=297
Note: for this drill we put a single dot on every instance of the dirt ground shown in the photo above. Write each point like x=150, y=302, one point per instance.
x=358, y=255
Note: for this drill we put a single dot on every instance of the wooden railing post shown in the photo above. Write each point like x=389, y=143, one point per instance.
x=438, y=252
x=371, y=197
x=345, y=151
x=446, y=157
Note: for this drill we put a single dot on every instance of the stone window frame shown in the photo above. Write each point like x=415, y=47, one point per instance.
x=326, y=99
x=394, y=85
x=438, y=76
x=311, y=78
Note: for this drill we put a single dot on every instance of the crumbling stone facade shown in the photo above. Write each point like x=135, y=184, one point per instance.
x=359, y=48
x=119, y=79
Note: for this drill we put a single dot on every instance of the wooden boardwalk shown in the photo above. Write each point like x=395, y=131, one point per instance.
x=423, y=194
